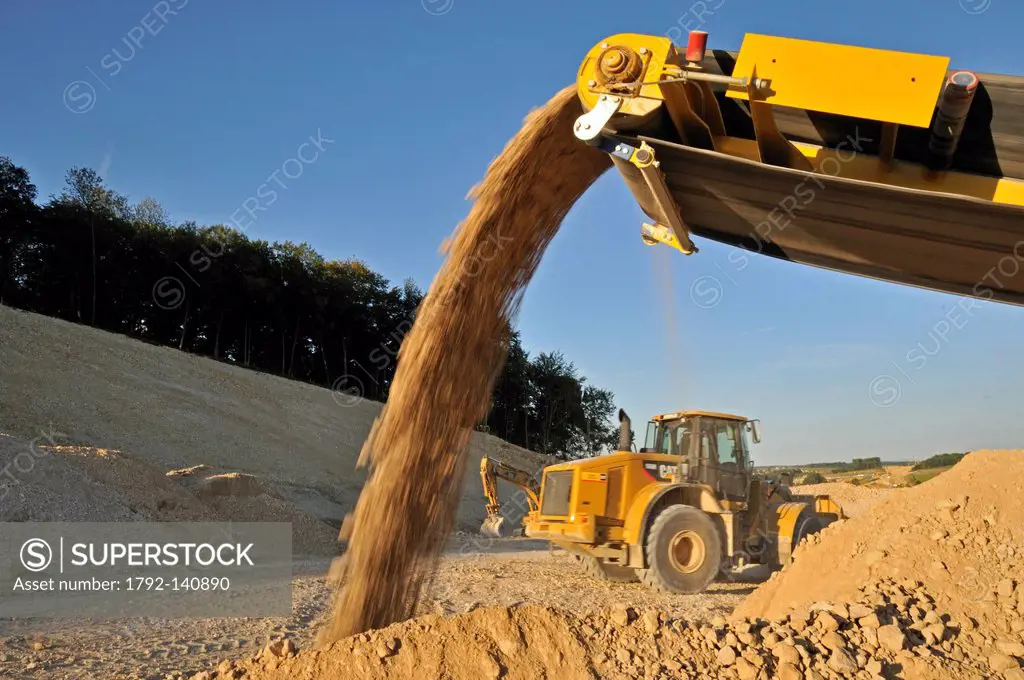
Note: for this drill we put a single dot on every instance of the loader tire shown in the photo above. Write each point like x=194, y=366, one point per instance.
x=606, y=572
x=807, y=524
x=683, y=550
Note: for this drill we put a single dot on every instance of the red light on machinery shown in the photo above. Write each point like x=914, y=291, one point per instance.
x=696, y=46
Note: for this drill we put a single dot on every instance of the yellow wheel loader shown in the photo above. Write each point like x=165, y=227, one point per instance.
x=678, y=511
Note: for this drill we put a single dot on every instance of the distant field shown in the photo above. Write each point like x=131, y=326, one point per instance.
x=924, y=475
x=889, y=475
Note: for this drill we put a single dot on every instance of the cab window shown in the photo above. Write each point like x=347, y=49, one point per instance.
x=727, y=437
x=681, y=447
x=651, y=439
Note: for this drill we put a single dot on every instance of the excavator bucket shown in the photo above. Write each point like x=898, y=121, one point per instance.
x=492, y=526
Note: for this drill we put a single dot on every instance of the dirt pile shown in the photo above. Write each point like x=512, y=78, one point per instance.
x=448, y=362
x=891, y=630
x=962, y=533
x=855, y=500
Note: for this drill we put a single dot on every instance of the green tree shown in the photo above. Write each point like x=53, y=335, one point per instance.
x=150, y=213
x=17, y=217
x=598, y=408
x=274, y=307
x=84, y=191
x=558, y=403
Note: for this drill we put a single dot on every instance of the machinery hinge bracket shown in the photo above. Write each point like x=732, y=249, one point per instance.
x=589, y=126
x=643, y=158
x=612, y=147
x=659, y=233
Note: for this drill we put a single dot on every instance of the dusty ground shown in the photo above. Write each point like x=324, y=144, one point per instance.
x=475, y=573
x=962, y=533
x=42, y=483
x=892, y=630
x=151, y=411
x=920, y=583
x=924, y=583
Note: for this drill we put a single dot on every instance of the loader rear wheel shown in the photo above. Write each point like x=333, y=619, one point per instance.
x=606, y=572
x=684, y=551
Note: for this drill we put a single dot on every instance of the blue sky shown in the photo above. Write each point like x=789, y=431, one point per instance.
x=418, y=97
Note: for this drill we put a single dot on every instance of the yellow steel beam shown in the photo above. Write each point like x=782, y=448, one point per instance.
x=893, y=87
x=848, y=164
x=644, y=159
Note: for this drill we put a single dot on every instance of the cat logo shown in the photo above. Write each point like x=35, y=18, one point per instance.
x=663, y=472
x=595, y=477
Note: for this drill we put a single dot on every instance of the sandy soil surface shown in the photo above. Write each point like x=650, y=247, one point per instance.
x=962, y=533
x=855, y=500
x=476, y=572
x=63, y=483
x=924, y=582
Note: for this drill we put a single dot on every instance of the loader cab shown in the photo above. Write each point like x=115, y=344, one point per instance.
x=714, y=448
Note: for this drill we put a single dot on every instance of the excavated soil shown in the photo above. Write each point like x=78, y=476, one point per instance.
x=855, y=500
x=893, y=629
x=924, y=584
x=962, y=533
x=474, y=573
x=448, y=363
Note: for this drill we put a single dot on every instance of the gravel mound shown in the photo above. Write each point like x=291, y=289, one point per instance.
x=962, y=533
x=35, y=486
x=891, y=629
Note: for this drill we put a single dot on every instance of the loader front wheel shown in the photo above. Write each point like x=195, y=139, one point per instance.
x=683, y=550
x=606, y=572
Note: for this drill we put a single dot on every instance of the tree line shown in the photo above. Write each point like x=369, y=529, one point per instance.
x=91, y=256
x=939, y=460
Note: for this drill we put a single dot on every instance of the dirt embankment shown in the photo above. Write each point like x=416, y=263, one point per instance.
x=962, y=533
x=84, y=484
x=67, y=384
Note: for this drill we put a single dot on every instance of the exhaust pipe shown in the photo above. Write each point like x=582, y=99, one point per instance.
x=625, y=432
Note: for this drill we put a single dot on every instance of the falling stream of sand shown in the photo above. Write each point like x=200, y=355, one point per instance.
x=448, y=364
